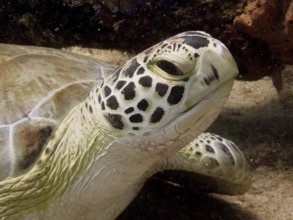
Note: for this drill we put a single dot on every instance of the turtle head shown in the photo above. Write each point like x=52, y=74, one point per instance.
x=170, y=93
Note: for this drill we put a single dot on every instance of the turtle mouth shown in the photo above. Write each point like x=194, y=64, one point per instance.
x=223, y=93
x=210, y=95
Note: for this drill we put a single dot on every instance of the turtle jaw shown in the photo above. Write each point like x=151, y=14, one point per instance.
x=206, y=109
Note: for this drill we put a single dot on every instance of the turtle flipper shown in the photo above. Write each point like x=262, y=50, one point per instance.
x=213, y=164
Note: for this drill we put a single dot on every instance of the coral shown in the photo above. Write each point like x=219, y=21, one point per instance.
x=272, y=22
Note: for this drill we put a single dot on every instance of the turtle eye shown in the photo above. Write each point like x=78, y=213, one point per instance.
x=169, y=68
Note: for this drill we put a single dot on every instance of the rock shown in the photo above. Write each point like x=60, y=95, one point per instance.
x=272, y=22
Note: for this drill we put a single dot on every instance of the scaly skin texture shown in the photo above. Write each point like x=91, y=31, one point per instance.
x=57, y=168
x=104, y=150
x=219, y=160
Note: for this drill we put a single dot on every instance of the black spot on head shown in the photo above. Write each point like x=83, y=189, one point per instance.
x=143, y=105
x=197, y=153
x=91, y=109
x=195, y=55
x=120, y=84
x=112, y=102
x=190, y=58
x=103, y=106
x=226, y=150
x=164, y=45
x=129, y=72
x=115, y=120
x=140, y=71
x=219, y=138
x=215, y=72
x=161, y=89
x=213, y=138
x=137, y=118
x=212, y=162
x=196, y=41
x=129, y=91
x=209, y=149
x=145, y=59
x=175, y=95
x=129, y=110
x=135, y=128
x=157, y=115
x=99, y=98
x=206, y=80
x=146, y=81
x=116, y=75
x=115, y=78
x=107, y=91
x=147, y=51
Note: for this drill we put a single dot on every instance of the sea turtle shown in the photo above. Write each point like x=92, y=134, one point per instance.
x=79, y=139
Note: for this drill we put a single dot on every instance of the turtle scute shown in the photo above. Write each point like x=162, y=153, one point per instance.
x=38, y=87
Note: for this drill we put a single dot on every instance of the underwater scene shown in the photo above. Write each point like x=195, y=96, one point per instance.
x=143, y=110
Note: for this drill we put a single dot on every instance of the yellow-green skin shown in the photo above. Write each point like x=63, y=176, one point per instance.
x=93, y=167
x=29, y=195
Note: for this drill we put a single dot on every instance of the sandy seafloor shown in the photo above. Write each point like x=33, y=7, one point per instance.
x=260, y=121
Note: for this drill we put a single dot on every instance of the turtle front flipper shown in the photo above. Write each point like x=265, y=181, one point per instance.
x=212, y=164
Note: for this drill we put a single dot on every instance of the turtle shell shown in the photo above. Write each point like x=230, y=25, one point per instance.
x=38, y=87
